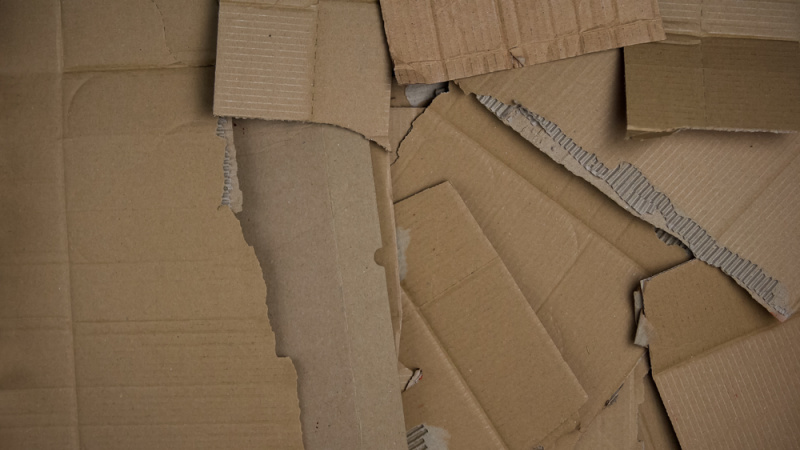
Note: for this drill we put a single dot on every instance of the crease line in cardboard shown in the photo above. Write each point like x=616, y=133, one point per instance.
x=633, y=188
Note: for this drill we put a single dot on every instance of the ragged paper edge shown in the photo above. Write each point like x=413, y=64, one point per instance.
x=231, y=194
x=631, y=189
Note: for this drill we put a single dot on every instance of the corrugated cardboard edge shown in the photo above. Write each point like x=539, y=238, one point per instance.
x=231, y=194
x=631, y=189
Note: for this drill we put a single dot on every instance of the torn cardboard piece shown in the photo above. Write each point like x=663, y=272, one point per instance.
x=132, y=309
x=549, y=228
x=727, y=379
x=465, y=310
x=318, y=61
x=400, y=119
x=433, y=41
x=718, y=193
x=310, y=212
x=724, y=66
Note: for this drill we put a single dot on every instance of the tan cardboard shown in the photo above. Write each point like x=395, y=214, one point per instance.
x=319, y=61
x=400, y=119
x=465, y=310
x=655, y=429
x=310, y=212
x=439, y=41
x=132, y=309
x=727, y=381
x=553, y=232
x=731, y=205
x=724, y=66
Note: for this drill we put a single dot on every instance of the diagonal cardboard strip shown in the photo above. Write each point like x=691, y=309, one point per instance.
x=725, y=65
x=132, y=308
x=321, y=61
x=310, y=212
x=439, y=41
x=731, y=198
x=466, y=313
x=574, y=254
x=727, y=376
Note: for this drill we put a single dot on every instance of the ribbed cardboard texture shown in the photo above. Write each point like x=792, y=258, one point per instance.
x=574, y=254
x=319, y=61
x=310, y=212
x=132, y=309
x=725, y=65
x=730, y=198
x=727, y=380
x=466, y=312
x=434, y=41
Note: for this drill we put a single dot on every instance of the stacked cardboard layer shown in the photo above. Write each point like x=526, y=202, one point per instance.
x=486, y=261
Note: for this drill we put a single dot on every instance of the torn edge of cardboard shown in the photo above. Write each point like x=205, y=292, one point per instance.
x=633, y=191
x=231, y=193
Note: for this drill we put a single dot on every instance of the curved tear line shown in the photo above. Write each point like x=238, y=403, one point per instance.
x=632, y=187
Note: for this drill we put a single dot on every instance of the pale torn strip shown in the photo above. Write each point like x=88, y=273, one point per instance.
x=637, y=194
x=427, y=437
x=403, y=239
x=231, y=194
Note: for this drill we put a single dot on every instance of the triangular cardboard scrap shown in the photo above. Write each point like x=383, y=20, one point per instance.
x=727, y=376
x=552, y=231
x=310, y=211
x=724, y=66
x=132, y=310
x=468, y=319
x=732, y=199
x=319, y=61
x=433, y=41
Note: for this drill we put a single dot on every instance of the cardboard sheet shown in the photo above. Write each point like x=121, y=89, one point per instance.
x=574, y=254
x=466, y=313
x=728, y=380
x=310, y=211
x=731, y=198
x=655, y=429
x=438, y=41
x=131, y=309
x=321, y=61
x=724, y=66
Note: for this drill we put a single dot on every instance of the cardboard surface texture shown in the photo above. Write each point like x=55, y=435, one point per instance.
x=438, y=41
x=574, y=254
x=132, y=310
x=655, y=429
x=474, y=336
x=725, y=66
x=310, y=212
x=728, y=380
x=321, y=61
x=731, y=198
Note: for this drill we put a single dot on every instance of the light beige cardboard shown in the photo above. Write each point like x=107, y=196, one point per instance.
x=310, y=212
x=731, y=205
x=725, y=66
x=464, y=304
x=727, y=381
x=553, y=232
x=433, y=41
x=132, y=310
x=319, y=61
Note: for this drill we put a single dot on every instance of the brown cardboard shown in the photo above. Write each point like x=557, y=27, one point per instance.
x=574, y=254
x=734, y=207
x=400, y=119
x=310, y=212
x=132, y=309
x=319, y=61
x=724, y=66
x=655, y=429
x=434, y=41
x=465, y=310
x=727, y=381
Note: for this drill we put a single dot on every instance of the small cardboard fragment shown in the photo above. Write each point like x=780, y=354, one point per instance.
x=463, y=301
x=434, y=41
x=724, y=66
x=310, y=212
x=731, y=198
x=727, y=378
x=321, y=61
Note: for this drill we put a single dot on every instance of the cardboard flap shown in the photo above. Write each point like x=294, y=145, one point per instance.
x=438, y=41
x=463, y=293
x=316, y=61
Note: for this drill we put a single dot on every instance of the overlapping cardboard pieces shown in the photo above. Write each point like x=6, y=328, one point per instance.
x=132, y=310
